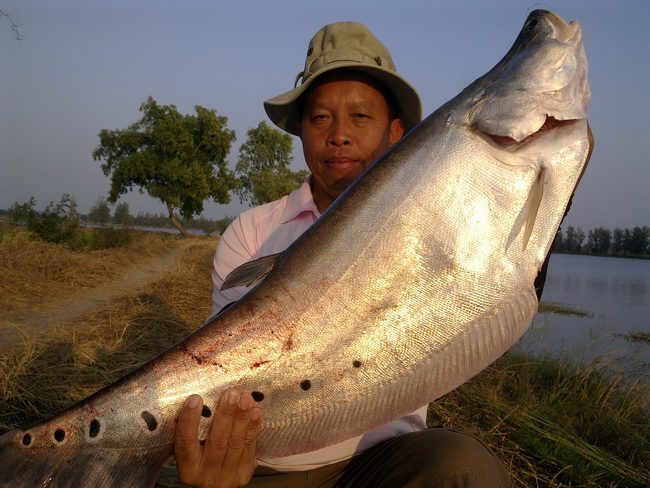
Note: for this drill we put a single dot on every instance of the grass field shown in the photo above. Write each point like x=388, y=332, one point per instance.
x=553, y=422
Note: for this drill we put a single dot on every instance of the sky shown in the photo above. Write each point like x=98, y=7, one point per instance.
x=87, y=65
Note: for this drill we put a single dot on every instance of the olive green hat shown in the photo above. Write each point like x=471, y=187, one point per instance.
x=348, y=45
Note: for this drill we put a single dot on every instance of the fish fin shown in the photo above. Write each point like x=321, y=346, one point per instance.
x=251, y=272
x=535, y=200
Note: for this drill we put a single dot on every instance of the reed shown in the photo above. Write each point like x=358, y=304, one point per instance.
x=557, y=423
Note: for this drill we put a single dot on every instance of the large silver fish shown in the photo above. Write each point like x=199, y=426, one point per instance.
x=416, y=279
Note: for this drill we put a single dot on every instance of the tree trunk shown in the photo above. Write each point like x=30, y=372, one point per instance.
x=177, y=223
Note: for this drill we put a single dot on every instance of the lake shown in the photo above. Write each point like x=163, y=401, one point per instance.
x=615, y=292
x=168, y=230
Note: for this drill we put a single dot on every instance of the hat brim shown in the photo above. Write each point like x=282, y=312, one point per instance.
x=283, y=109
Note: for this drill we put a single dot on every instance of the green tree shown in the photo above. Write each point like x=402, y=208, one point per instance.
x=222, y=224
x=178, y=159
x=618, y=241
x=263, y=166
x=100, y=213
x=122, y=215
x=599, y=240
x=574, y=239
x=22, y=213
x=639, y=241
x=57, y=223
x=209, y=226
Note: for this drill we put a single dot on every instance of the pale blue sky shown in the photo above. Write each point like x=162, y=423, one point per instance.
x=87, y=65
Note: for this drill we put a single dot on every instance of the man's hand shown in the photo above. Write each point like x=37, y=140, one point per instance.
x=227, y=459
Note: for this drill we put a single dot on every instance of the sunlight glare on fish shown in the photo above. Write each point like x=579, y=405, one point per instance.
x=472, y=253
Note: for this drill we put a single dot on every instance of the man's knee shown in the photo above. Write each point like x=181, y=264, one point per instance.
x=431, y=458
x=450, y=458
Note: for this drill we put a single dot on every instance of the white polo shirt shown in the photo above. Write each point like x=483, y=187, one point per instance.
x=269, y=229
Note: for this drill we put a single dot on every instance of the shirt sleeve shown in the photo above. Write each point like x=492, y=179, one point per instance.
x=257, y=232
x=232, y=251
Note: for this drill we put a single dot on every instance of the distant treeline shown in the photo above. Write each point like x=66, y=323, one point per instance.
x=161, y=220
x=604, y=242
x=100, y=213
x=59, y=219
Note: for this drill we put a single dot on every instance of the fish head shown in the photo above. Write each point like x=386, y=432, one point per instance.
x=522, y=133
x=540, y=82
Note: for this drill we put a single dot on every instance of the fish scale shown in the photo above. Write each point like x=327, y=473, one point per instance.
x=419, y=276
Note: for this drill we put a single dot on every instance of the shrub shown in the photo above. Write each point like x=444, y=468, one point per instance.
x=57, y=224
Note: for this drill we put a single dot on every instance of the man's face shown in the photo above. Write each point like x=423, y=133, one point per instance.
x=345, y=127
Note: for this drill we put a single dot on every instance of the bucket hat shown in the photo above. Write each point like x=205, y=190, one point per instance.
x=348, y=45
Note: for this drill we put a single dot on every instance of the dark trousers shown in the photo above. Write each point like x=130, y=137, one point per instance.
x=432, y=458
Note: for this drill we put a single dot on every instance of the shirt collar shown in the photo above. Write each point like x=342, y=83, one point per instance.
x=299, y=201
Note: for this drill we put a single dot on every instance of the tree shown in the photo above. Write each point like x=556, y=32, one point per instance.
x=618, y=241
x=599, y=240
x=178, y=159
x=100, y=213
x=209, y=226
x=639, y=241
x=22, y=213
x=57, y=223
x=262, y=166
x=222, y=224
x=574, y=239
x=122, y=215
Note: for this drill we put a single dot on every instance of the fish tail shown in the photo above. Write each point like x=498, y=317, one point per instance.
x=58, y=467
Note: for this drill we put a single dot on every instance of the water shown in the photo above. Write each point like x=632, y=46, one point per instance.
x=614, y=292
x=168, y=230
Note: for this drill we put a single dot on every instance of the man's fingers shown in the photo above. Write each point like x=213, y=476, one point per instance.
x=228, y=456
x=187, y=448
x=240, y=425
x=248, y=461
x=222, y=425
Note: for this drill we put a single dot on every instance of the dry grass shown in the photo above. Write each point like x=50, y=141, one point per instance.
x=76, y=358
x=34, y=270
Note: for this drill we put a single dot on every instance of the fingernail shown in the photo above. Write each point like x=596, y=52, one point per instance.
x=256, y=414
x=245, y=402
x=233, y=396
x=193, y=401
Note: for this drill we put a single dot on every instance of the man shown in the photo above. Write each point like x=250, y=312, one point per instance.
x=350, y=108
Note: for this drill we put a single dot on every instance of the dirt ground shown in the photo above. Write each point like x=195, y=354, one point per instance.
x=28, y=322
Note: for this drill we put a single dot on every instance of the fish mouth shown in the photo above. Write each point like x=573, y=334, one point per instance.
x=549, y=51
x=549, y=124
x=564, y=32
x=553, y=27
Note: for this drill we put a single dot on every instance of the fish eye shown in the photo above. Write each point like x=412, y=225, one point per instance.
x=531, y=25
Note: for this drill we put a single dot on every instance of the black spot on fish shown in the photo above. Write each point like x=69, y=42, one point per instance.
x=150, y=420
x=258, y=396
x=94, y=428
x=27, y=439
x=206, y=412
x=59, y=435
x=305, y=384
x=356, y=363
